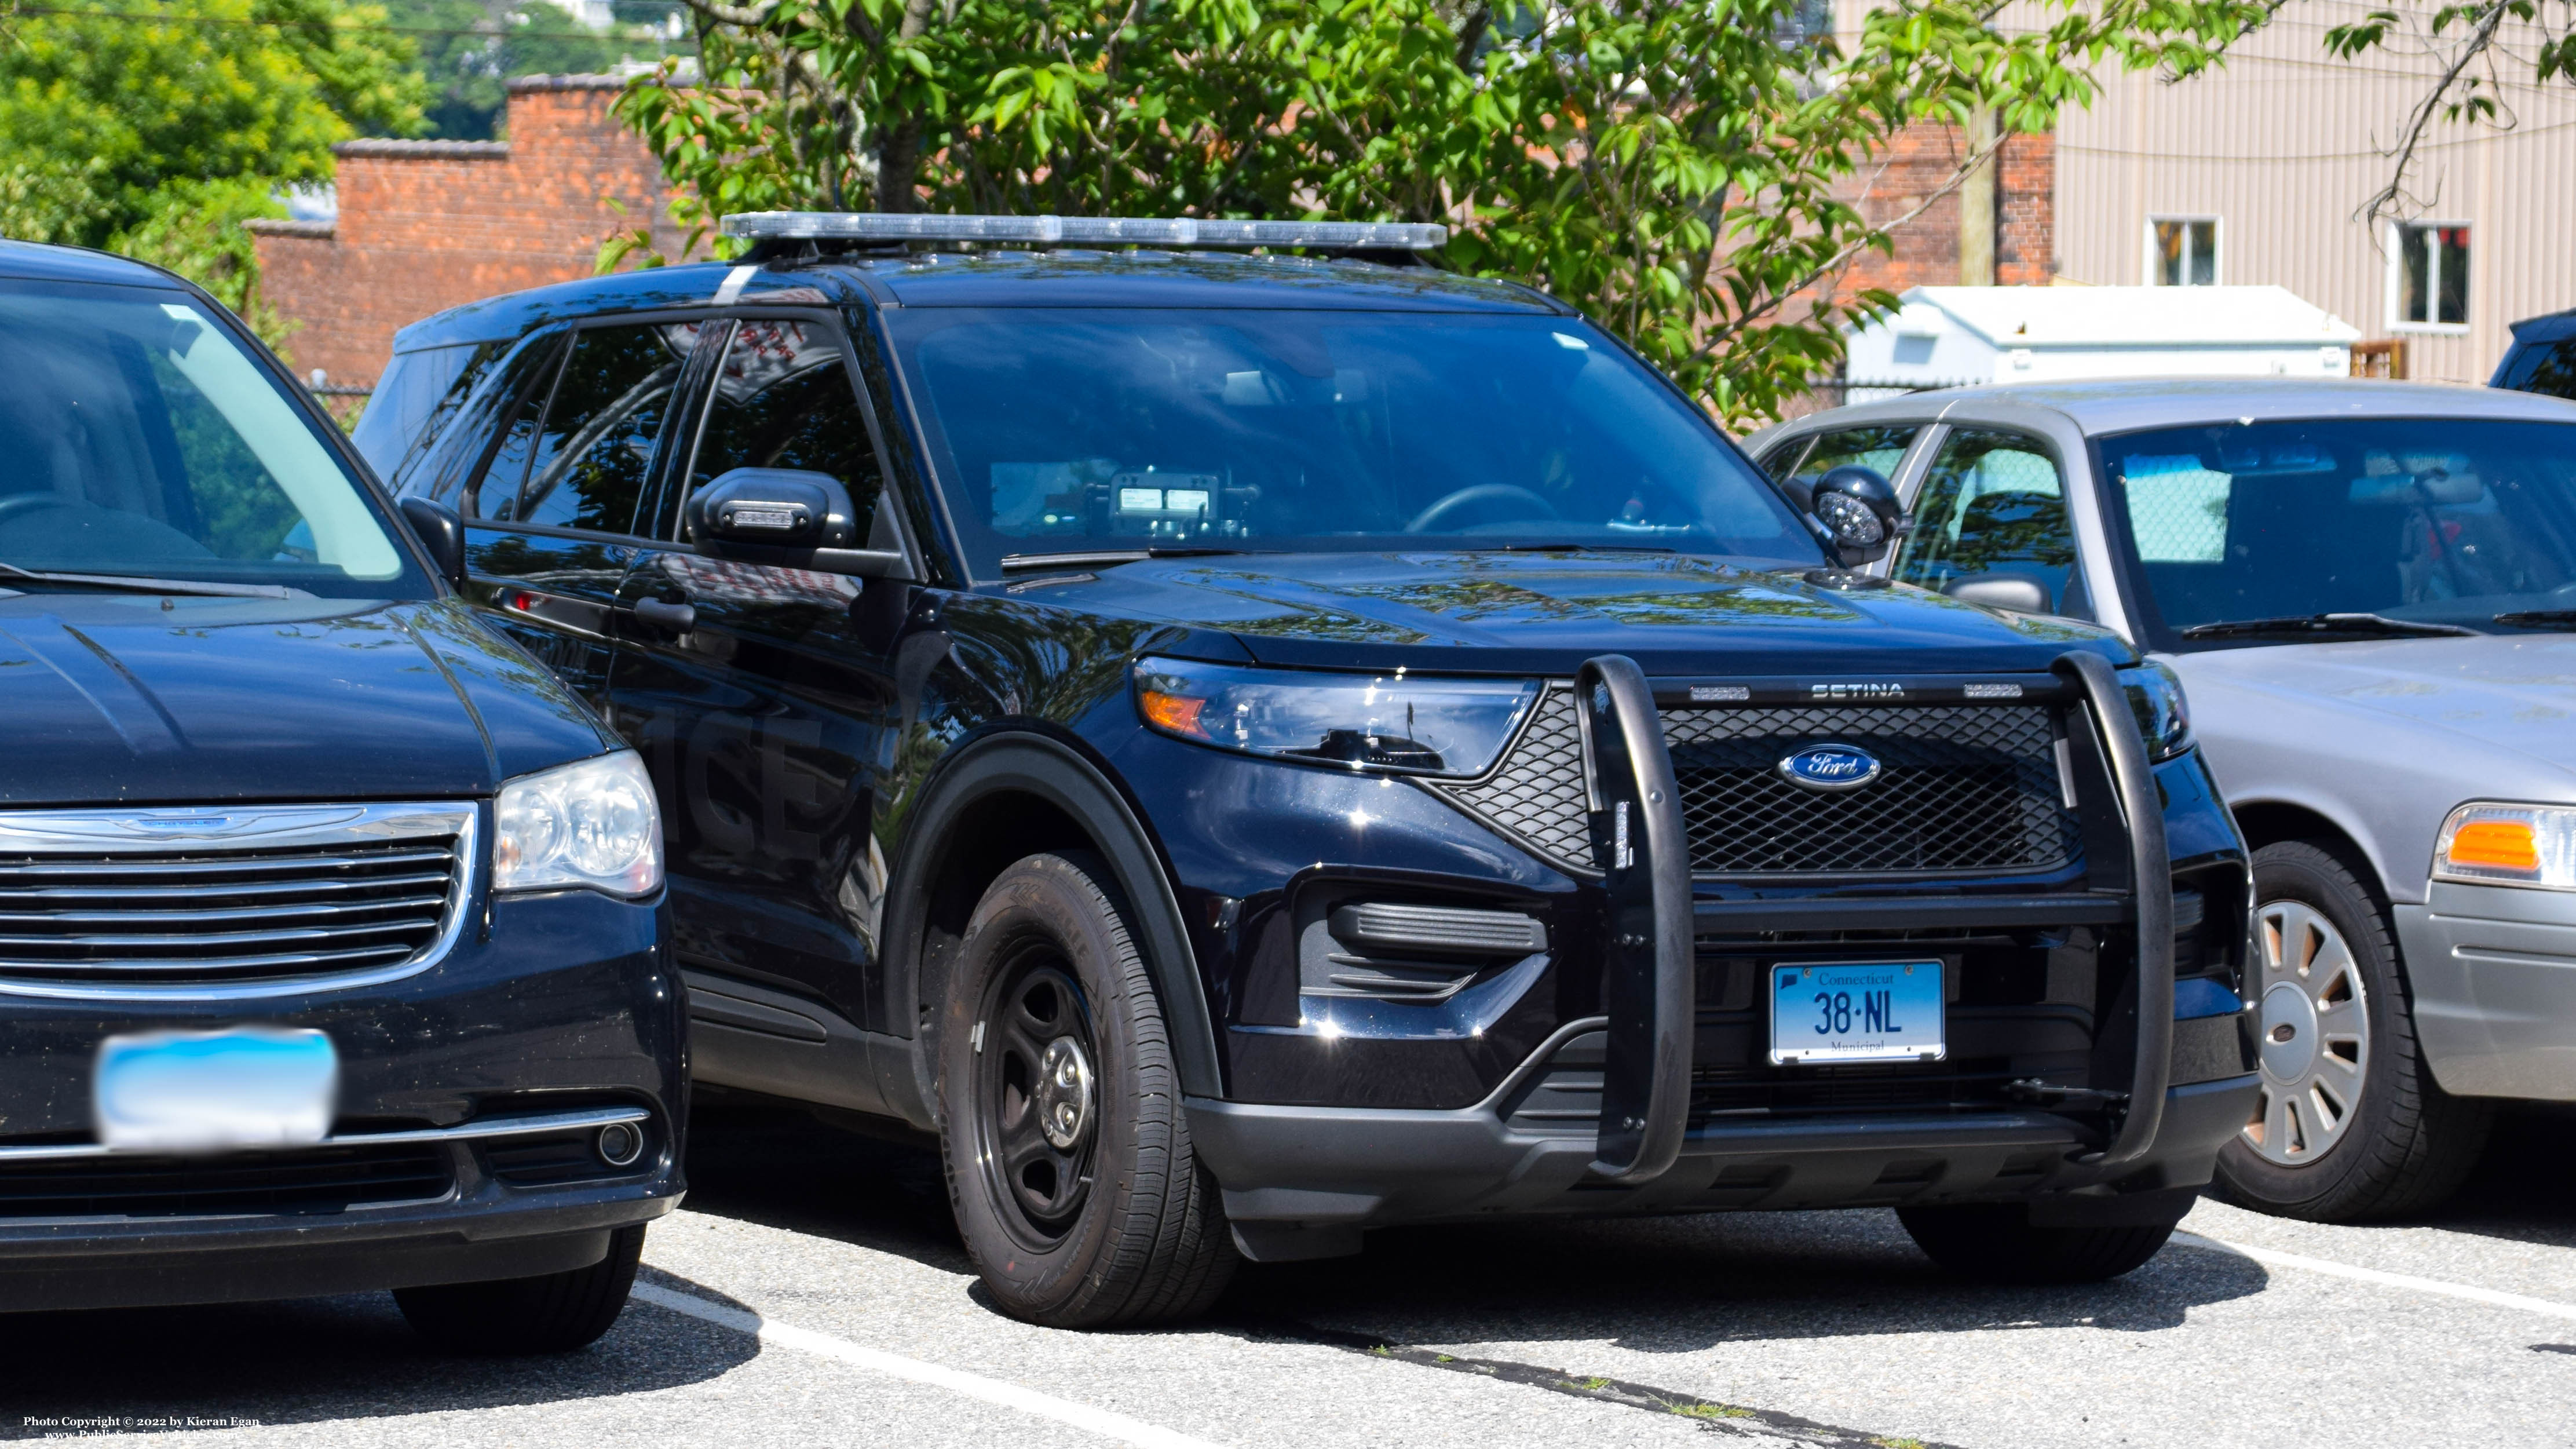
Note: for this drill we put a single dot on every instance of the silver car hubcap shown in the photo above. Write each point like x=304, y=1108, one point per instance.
x=2315, y=1035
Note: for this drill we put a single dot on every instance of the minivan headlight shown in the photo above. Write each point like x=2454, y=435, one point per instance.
x=592, y=823
x=1386, y=722
x=2164, y=717
x=2526, y=845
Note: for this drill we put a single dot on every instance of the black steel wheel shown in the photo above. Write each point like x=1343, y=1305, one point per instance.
x=1036, y=1102
x=1081, y=1200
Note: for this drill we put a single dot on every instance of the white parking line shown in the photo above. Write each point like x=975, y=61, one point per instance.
x=894, y=1365
x=2473, y=1294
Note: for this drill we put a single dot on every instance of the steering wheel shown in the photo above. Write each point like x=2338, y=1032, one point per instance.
x=18, y=503
x=1469, y=497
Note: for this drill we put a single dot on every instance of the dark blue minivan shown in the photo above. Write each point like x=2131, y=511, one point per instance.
x=331, y=925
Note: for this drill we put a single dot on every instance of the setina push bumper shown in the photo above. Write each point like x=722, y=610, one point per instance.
x=2098, y=1115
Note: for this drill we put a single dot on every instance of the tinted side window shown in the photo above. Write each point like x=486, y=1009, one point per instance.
x=414, y=399
x=1782, y=461
x=1992, y=502
x=783, y=399
x=2544, y=367
x=513, y=403
x=587, y=463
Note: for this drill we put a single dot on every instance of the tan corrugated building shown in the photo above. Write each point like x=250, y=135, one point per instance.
x=2256, y=175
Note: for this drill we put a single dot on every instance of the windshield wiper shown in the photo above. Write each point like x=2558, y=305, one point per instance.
x=137, y=584
x=2295, y=624
x=2540, y=618
x=1016, y=562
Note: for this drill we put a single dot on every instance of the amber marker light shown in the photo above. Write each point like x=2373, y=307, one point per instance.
x=2499, y=844
x=2496, y=845
x=1177, y=713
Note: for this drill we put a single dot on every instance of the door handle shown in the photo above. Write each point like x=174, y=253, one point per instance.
x=679, y=617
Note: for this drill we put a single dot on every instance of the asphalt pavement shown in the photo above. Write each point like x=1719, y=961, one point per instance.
x=813, y=1293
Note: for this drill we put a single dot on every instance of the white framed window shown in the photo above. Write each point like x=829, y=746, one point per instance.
x=2182, y=251
x=2428, y=276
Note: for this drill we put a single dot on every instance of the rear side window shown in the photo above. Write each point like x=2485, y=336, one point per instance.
x=588, y=460
x=783, y=399
x=415, y=398
x=2543, y=367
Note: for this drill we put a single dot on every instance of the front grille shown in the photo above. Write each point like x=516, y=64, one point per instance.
x=1963, y=788
x=310, y=1180
x=365, y=888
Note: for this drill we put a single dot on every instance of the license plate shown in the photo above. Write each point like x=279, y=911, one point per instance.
x=1859, y=1011
x=207, y=1091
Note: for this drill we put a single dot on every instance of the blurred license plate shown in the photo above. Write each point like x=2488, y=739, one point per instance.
x=1864, y=1011
x=205, y=1091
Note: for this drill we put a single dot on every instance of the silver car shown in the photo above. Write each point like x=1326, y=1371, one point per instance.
x=2369, y=592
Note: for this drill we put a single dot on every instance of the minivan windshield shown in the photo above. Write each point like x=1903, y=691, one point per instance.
x=1066, y=430
x=2255, y=532
x=139, y=441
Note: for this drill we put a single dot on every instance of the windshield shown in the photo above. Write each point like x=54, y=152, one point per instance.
x=1068, y=430
x=2437, y=520
x=138, y=439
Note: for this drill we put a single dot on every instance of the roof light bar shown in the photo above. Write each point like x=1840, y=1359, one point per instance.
x=882, y=226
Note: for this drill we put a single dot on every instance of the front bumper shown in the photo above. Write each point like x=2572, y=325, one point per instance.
x=2493, y=970
x=467, y=1093
x=1302, y=1182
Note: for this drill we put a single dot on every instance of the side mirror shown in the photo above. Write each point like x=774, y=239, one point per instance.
x=2015, y=593
x=1859, y=516
x=788, y=517
x=440, y=531
x=773, y=508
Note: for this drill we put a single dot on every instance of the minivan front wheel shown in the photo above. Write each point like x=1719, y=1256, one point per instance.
x=1069, y=1161
x=2350, y=1125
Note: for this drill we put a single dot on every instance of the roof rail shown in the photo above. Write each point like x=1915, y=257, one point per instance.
x=1180, y=231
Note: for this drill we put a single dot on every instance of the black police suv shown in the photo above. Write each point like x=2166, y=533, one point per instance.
x=1248, y=748
x=332, y=944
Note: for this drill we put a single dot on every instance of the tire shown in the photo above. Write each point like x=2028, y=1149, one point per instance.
x=1997, y=1243
x=1069, y=1161
x=550, y=1313
x=2351, y=1126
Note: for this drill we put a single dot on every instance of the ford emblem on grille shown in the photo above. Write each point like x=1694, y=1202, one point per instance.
x=1831, y=767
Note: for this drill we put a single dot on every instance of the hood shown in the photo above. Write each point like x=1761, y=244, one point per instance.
x=2512, y=691
x=115, y=698
x=1546, y=613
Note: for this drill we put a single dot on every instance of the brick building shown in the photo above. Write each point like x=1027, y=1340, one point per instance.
x=1923, y=157
x=427, y=225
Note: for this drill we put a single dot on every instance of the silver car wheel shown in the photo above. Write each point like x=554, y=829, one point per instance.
x=2315, y=1042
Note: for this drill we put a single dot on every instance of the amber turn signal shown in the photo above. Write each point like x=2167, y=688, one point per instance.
x=1177, y=713
x=2496, y=845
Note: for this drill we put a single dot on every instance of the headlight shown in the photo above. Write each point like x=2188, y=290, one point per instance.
x=1358, y=721
x=592, y=824
x=2164, y=719
x=2525, y=845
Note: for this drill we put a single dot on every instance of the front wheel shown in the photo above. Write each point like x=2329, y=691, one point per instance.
x=1069, y=1162
x=2350, y=1125
x=1998, y=1243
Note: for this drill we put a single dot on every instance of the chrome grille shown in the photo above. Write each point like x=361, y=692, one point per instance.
x=1964, y=788
x=246, y=900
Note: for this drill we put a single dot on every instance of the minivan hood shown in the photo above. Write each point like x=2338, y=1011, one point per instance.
x=1528, y=612
x=118, y=698
x=2515, y=691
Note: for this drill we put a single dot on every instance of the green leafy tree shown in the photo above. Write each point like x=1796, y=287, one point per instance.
x=470, y=50
x=1682, y=171
x=156, y=126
